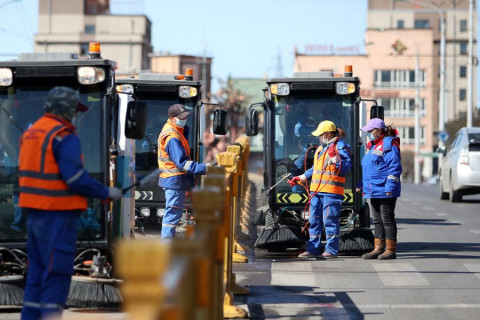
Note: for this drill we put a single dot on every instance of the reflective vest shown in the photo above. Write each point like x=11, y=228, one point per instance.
x=40, y=182
x=326, y=178
x=168, y=167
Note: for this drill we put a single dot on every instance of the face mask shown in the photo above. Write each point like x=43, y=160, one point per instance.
x=181, y=123
x=323, y=140
x=370, y=136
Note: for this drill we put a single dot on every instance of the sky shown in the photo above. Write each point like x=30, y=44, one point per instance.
x=245, y=38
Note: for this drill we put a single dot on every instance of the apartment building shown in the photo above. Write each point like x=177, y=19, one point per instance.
x=401, y=37
x=69, y=25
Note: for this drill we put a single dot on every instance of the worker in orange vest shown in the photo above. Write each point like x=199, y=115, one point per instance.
x=54, y=188
x=178, y=169
x=330, y=167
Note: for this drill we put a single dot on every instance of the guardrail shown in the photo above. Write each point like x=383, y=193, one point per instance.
x=192, y=278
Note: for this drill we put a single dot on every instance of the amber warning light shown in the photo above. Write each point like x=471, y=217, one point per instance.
x=94, y=50
x=348, y=70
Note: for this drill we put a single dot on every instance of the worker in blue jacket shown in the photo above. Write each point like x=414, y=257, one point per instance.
x=178, y=169
x=381, y=168
x=328, y=177
x=54, y=187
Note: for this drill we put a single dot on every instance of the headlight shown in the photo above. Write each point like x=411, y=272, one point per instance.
x=343, y=88
x=90, y=75
x=124, y=88
x=187, y=92
x=145, y=211
x=160, y=212
x=280, y=89
x=6, y=77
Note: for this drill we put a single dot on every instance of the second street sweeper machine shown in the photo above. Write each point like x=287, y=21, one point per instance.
x=105, y=131
x=292, y=110
x=160, y=91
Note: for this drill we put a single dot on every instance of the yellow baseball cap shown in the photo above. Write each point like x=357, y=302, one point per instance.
x=325, y=126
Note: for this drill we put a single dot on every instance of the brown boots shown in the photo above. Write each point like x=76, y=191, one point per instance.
x=390, y=253
x=379, y=252
x=379, y=247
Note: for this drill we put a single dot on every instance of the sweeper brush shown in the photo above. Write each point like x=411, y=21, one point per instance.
x=11, y=290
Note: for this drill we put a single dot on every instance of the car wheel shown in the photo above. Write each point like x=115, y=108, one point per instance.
x=455, y=196
x=443, y=194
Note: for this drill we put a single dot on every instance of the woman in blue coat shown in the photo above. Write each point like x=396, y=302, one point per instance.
x=381, y=168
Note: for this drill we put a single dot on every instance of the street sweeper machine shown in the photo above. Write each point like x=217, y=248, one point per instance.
x=106, y=132
x=292, y=109
x=160, y=91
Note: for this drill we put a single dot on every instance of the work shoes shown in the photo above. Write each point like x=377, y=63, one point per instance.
x=328, y=255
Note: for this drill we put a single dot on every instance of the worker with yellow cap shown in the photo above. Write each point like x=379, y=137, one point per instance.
x=328, y=175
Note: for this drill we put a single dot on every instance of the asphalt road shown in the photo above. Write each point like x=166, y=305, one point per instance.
x=436, y=275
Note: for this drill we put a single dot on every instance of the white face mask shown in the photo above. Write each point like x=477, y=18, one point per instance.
x=181, y=123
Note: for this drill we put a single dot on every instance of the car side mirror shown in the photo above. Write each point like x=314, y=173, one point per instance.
x=220, y=122
x=136, y=120
x=251, y=122
x=377, y=112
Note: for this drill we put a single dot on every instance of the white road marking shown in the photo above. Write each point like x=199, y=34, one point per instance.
x=475, y=231
x=427, y=208
x=293, y=273
x=400, y=275
x=456, y=222
x=473, y=268
x=441, y=214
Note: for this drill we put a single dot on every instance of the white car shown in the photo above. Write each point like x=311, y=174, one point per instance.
x=460, y=169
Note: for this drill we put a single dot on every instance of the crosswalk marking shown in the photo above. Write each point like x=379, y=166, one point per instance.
x=399, y=275
x=473, y=268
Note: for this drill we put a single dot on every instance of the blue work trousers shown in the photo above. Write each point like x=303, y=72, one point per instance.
x=324, y=212
x=51, y=249
x=175, y=200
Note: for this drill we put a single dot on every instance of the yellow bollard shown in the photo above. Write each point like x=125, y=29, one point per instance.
x=142, y=290
x=208, y=205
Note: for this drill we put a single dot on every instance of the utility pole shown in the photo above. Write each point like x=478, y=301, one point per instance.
x=416, y=166
x=470, y=67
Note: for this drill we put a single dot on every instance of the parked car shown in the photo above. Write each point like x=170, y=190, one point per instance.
x=460, y=168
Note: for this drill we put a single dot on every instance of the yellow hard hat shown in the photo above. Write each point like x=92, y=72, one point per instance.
x=325, y=126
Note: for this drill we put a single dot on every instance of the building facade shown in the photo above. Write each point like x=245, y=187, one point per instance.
x=400, y=38
x=178, y=63
x=426, y=14
x=69, y=25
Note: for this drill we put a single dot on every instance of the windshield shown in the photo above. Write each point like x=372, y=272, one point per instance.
x=146, y=149
x=296, y=116
x=20, y=107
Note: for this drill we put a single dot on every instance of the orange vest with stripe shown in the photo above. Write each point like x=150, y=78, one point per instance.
x=168, y=167
x=326, y=178
x=40, y=182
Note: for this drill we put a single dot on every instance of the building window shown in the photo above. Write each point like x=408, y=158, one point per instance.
x=401, y=107
x=84, y=49
x=422, y=24
x=463, y=25
x=89, y=29
x=462, y=94
x=463, y=71
x=463, y=47
x=398, y=78
x=400, y=24
x=407, y=135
